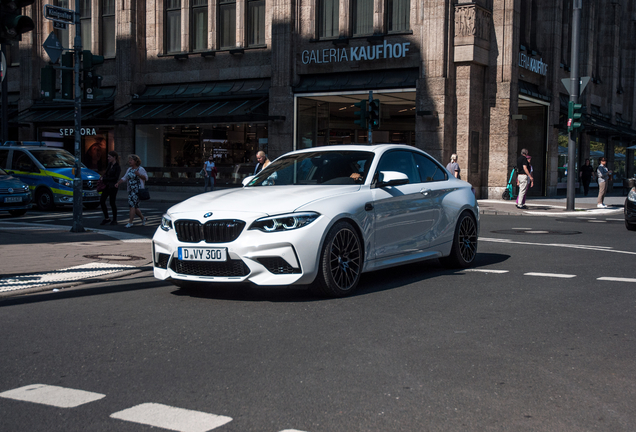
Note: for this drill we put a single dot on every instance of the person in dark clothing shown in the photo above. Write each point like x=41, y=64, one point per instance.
x=585, y=174
x=110, y=177
x=524, y=176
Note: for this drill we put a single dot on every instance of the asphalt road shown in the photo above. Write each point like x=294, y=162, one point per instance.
x=528, y=340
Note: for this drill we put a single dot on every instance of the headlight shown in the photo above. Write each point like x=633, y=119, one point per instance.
x=166, y=223
x=632, y=195
x=64, y=182
x=284, y=222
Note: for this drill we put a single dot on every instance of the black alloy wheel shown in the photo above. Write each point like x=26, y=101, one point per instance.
x=340, y=261
x=464, y=249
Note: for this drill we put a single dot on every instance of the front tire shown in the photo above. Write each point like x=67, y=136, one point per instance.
x=630, y=226
x=340, y=262
x=464, y=249
x=44, y=200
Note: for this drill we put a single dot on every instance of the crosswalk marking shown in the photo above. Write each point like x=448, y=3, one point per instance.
x=554, y=275
x=168, y=417
x=616, y=279
x=487, y=271
x=52, y=395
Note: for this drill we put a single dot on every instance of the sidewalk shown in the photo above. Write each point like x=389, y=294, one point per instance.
x=42, y=257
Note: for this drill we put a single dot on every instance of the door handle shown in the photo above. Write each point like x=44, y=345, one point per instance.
x=425, y=192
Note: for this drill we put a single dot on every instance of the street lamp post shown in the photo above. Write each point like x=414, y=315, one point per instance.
x=575, y=86
x=77, y=180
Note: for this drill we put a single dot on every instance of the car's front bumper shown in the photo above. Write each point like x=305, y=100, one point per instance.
x=281, y=258
x=24, y=203
x=630, y=211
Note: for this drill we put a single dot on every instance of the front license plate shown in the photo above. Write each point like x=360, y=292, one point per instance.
x=202, y=254
x=90, y=193
x=13, y=199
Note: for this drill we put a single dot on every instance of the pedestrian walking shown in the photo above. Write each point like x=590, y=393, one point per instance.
x=209, y=173
x=585, y=174
x=604, y=175
x=453, y=167
x=110, y=178
x=262, y=160
x=135, y=179
x=524, y=177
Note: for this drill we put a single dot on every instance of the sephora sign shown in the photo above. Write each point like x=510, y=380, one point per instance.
x=371, y=52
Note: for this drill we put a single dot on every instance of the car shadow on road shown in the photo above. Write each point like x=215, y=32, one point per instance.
x=372, y=282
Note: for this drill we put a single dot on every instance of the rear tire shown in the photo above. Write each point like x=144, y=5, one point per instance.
x=17, y=212
x=340, y=262
x=464, y=249
x=506, y=195
x=44, y=200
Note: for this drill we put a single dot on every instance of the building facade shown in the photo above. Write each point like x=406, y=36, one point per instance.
x=183, y=79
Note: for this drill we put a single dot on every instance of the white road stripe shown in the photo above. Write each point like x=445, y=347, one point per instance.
x=167, y=417
x=616, y=279
x=486, y=271
x=569, y=246
x=291, y=430
x=554, y=275
x=52, y=395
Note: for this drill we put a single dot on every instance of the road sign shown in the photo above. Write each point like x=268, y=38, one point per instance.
x=582, y=84
x=59, y=25
x=53, y=47
x=61, y=15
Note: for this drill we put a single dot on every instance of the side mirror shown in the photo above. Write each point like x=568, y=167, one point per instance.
x=392, y=178
x=247, y=179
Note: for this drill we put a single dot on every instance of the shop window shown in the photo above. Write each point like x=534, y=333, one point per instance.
x=328, y=17
x=173, y=26
x=62, y=35
x=362, y=13
x=398, y=15
x=256, y=22
x=108, y=28
x=227, y=23
x=85, y=22
x=199, y=15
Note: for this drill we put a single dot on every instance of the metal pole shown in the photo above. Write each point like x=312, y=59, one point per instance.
x=77, y=180
x=5, y=100
x=370, y=137
x=575, y=86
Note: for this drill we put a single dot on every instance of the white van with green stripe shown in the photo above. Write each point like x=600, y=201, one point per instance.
x=49, y=173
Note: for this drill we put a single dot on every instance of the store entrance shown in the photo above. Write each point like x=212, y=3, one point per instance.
x=328, y=119
x=532, y=135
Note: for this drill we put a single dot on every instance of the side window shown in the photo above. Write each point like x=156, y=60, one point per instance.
x=4, y=154
x=400, y=161
x=428, y=169
x=22, y=162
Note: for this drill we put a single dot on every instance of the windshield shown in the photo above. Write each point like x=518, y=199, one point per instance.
x=55, y=158
x=316, y=168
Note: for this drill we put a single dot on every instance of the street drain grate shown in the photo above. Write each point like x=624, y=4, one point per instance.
x=114, y=257
x=535, y=232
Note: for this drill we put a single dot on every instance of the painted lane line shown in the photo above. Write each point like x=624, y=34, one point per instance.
x=168, y=417
x=486, y=271
x=52, y=395
x=569, y=246
x=554, y=275
x=291, y=430
x=616, y=279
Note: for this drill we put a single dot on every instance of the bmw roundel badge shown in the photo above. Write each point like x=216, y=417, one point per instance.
x=207, y=215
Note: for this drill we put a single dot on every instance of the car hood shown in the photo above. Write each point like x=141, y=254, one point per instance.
x=268, y=200
x=7, y=181
x=87, y=174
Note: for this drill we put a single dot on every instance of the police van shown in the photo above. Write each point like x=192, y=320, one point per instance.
x=49, y=173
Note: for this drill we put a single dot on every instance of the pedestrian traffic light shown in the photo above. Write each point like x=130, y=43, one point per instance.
x=67, y=75
x=574, y=116
x=47, y=83
x=362, y=114
x=12, y=23
x=374, y=113
x=92, y=81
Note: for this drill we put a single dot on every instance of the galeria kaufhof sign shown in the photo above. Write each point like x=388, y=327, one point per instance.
x=371, y=52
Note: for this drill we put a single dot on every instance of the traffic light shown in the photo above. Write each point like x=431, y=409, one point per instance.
x=47, y=82
x=12, y=24
x=574, y=116
x=374, y=113
x=92, y=81
x=362, y=121
x=67, y=75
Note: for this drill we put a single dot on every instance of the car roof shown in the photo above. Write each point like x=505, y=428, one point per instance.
x=374, y=148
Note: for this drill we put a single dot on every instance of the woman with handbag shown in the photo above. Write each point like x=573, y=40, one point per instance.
x=135, y=178
x=109, y=190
